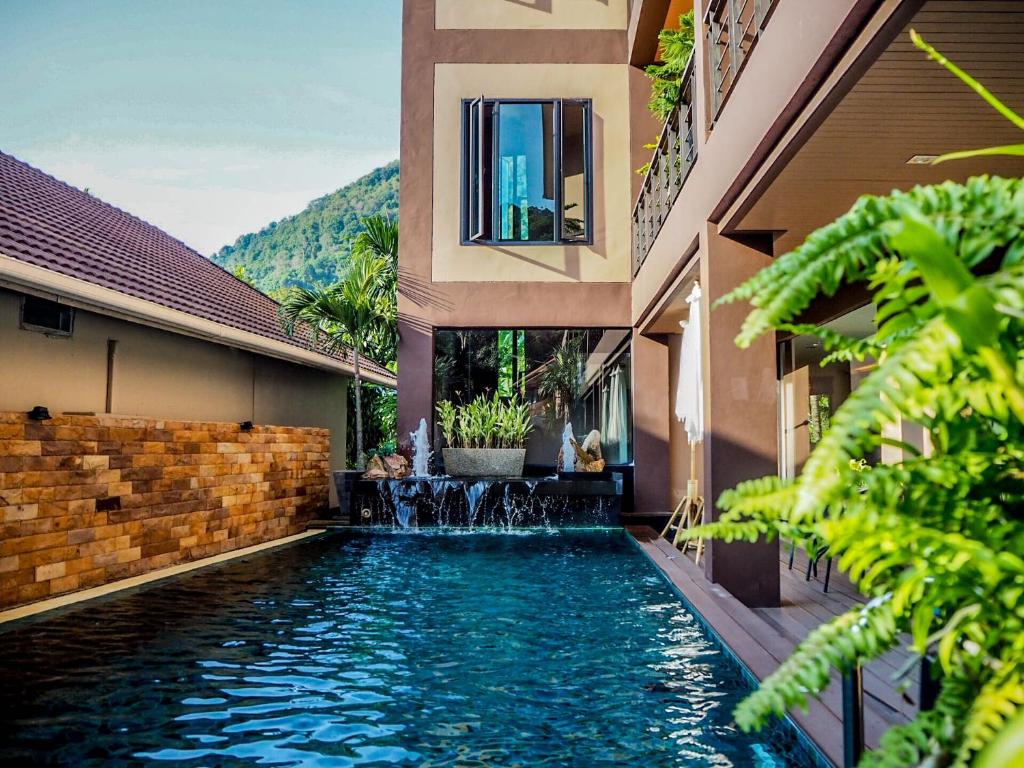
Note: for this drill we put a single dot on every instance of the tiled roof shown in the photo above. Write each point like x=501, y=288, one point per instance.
x=50, y=224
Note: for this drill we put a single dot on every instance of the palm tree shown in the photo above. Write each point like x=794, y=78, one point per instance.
x=380, y=238
x=358, y=311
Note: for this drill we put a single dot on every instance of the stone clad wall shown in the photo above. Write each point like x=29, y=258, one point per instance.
x=86, y=500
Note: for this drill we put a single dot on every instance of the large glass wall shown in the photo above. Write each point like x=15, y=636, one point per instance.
x=811, y=392
x=573, y=376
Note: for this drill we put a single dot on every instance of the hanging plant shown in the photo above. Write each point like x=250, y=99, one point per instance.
x=675, y=46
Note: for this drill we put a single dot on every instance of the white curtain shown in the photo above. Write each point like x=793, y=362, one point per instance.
x=616, y=424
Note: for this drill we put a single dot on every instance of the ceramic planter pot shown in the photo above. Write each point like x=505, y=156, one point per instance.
x=484, y=462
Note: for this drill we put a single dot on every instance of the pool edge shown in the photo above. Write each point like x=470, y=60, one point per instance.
x=71, y=598
x=817, y=726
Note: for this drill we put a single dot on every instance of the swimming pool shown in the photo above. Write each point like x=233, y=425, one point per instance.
x=437, y=649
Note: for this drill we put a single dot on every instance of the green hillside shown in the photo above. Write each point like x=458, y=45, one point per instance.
x=312, y=246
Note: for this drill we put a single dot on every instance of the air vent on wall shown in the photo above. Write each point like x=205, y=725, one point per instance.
x=45, y=316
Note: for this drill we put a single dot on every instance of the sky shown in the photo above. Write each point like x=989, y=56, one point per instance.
x=207, y=118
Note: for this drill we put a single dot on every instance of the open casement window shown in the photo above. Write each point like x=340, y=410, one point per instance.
x=527, y=171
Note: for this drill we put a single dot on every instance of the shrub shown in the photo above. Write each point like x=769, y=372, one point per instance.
x=485, y=422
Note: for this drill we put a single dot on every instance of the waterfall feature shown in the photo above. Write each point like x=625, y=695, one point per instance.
x=421, y=452
x=490, y=504
x=404, y=507
x=568, y=452
x=474, y=494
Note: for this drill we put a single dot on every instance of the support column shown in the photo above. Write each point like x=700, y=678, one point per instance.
x=650, y=424
x=415, y=376
x=741, y=415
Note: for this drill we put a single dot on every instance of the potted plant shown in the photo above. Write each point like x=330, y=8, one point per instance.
x=485, y=437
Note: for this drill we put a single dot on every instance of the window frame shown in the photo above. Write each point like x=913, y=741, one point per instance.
x=470, y=231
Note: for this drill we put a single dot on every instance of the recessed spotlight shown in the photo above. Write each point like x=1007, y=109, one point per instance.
x=922, y=159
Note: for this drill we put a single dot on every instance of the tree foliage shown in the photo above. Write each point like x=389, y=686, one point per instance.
x=359, y=311
x=313, y=247
x=934, y=540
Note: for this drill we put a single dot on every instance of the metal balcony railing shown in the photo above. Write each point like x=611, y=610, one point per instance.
x=732, y=28
x=673, y=158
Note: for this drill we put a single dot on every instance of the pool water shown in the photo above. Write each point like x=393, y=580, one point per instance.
x=350, y=649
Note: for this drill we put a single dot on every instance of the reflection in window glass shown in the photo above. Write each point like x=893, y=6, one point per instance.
x=574, y=171
x=577, y=376
x=526, y=172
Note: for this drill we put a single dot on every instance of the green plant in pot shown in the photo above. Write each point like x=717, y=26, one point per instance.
x=485, y=437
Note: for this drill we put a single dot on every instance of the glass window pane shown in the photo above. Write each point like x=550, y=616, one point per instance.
x=574, y=171
x=566, y=375
x=526, y=172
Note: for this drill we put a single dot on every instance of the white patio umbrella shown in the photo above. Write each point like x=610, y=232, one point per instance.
x=690, y=390
x=689, y=409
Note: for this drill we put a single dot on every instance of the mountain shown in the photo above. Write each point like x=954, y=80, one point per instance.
x=312, y=246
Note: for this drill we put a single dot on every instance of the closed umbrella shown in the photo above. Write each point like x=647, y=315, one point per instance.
x=689, y=409
x=690, y=390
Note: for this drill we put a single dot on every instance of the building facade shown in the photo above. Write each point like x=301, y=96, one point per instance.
x=516, y=246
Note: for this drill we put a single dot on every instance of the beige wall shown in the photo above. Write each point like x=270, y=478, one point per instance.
x=530, y=14
x=162, y=375
x=608, y=259
x=301, y=397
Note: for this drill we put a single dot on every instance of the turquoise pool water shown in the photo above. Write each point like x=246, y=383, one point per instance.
x=352, y=649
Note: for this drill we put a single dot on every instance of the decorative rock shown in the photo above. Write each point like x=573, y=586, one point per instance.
x=393, y=467
x=375, y=469
x=397, y=466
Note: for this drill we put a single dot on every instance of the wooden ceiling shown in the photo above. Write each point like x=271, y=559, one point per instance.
x=906, y=105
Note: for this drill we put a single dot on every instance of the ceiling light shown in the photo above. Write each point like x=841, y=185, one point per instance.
x=922, y=159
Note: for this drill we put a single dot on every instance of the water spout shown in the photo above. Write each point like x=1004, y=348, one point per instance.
x=568, y=452
x=421, y=452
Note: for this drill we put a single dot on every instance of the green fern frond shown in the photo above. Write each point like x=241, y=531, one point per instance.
x=846, y=641
x=911, y=744
x=936, y=536
x=848, y=249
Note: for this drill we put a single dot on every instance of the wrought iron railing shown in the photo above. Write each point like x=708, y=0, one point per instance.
x=673, y=158
x=732, y=28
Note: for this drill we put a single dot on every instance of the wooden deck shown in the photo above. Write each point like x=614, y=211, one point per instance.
x=763, y=637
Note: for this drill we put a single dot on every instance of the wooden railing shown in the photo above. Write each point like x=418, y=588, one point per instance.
x=673, y=158
x=732, y=28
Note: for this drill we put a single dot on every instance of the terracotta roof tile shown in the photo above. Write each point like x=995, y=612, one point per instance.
x=50, y=224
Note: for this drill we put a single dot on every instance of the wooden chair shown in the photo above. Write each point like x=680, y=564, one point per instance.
x=689, y=513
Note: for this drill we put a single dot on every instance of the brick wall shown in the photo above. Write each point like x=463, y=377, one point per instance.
x=85, y=500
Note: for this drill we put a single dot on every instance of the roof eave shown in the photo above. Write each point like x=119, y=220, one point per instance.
x=18, y=275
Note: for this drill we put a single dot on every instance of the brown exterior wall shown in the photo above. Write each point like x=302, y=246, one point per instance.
x=741, y=418
x=424, y=304
x=542, y=14
x=782, y=70
x=651, y=424
x=86, y=500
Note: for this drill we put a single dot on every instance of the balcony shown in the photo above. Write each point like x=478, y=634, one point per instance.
x=732, y=28
x=674, y=156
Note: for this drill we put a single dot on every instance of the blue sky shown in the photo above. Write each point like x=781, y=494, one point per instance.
x=208, y=118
